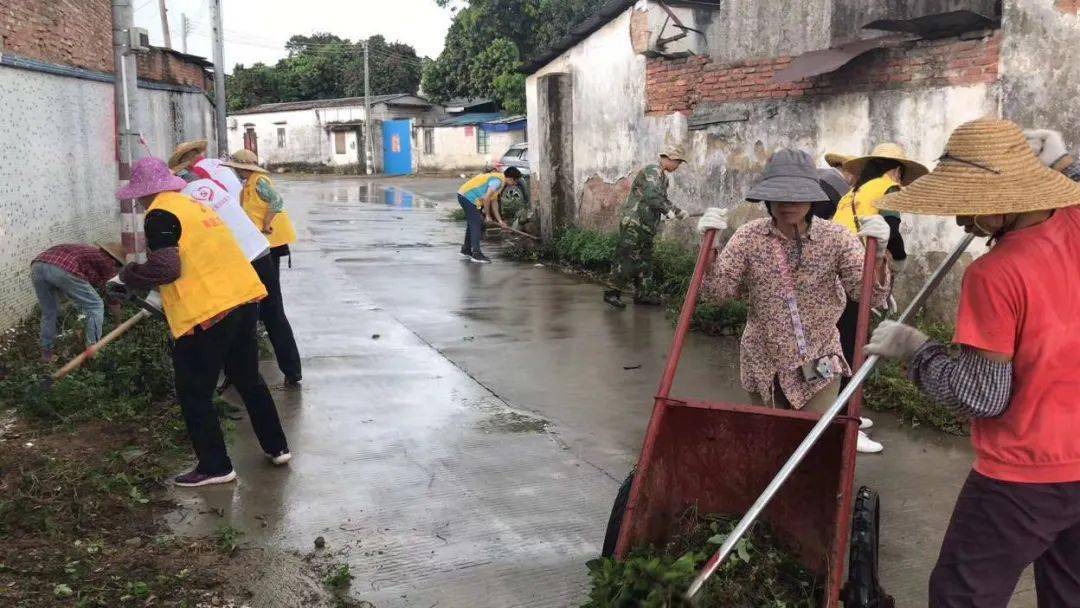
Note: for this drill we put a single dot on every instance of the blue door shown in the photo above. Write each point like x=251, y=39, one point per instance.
x=397, y=147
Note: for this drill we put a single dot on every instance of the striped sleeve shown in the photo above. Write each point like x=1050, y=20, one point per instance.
x=969, y=384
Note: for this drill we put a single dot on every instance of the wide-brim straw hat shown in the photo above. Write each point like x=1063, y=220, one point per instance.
x=245, y=160
x=116, y=251
x=149, y=176
x=790, y=177
x=913, y=169
x=834, y=159
x=675, y=152
x=197, y=145
x=987, y=168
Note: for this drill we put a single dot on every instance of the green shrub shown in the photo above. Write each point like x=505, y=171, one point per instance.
x=456, y=215
x=587, y=249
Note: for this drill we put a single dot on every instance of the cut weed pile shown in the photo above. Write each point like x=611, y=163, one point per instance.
x=592, y=253
x=82, y=471
x=759, y=573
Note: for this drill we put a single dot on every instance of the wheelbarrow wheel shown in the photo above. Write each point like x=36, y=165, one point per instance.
x=614, y=523
x=863, y=589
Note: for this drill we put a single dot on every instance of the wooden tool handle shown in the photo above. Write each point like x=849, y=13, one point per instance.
x=94, y=348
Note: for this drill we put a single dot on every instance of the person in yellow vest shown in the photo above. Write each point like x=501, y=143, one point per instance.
x=265, y=207
x=209, y=294
x=479, y=198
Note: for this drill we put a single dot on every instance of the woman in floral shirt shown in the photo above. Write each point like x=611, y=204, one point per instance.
x=794, y=272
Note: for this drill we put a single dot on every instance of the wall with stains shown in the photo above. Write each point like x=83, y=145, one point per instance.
x=57, y=150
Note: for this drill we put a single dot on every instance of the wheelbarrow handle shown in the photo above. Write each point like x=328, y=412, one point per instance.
x=686, y=314
x=815, y=433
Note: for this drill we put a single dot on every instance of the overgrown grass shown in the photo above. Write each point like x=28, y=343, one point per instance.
x=456, y=215
x=889, y=390
x=593, y=253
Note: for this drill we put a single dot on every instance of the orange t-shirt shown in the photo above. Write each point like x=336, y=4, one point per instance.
x=1023, y=299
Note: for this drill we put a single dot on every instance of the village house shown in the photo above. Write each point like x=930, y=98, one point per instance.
x=472, y=138
x=329, y=133
x=735, y=80
x=60, y=148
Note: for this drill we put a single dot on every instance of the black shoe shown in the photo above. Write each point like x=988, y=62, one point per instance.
x=292, y=382
x=480, y=258
x=466, y=252
x=613, y=297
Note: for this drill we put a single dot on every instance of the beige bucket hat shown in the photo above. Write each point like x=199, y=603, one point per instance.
x=246, y=160
x=836, y=160
x=913, y=170
x=175, y=163
x=674, y=152
x=116, y=251
x=987, y=168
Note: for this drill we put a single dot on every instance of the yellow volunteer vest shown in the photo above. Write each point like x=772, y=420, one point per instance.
x=477, y=187
x=862, y=203
x=215, y=276
x=282, y=231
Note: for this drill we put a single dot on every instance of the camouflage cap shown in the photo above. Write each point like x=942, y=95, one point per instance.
x=674, y=152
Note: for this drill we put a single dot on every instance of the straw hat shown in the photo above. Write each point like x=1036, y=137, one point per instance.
x=837, y=160
x=116, y=251
x=674, y=152
x=175, y=163
x=987, y=168
x=888, y=151
x=790, y=177
x=149, y=176
x=245, y=160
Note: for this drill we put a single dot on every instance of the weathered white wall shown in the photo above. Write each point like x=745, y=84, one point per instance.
x=306, y=139
x=57, y=151
x=456, y=151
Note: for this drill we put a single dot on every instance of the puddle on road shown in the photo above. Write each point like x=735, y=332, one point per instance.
x=374, y=193
x=512, y=422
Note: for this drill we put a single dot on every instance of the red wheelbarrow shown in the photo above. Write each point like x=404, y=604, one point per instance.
x=719, y=457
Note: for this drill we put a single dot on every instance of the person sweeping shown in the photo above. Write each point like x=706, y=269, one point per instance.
x=479, y=199
x=1016, y=374
x=209, y=296
x=266, y=210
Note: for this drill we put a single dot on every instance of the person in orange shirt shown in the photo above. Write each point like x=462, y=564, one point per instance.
x=209, y=295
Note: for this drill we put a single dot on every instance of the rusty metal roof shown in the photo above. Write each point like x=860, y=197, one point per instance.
x=828, y=60
x=941, y=25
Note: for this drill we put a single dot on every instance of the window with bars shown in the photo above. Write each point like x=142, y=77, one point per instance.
x=281, y=137
x=429, y=141
x=481, y=141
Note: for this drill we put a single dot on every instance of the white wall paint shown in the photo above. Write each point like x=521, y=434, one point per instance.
x=456, y=151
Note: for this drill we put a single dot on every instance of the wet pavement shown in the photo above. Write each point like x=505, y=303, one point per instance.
x=462, y=429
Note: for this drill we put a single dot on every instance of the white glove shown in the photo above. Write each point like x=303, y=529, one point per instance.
x=1047, y=145
x=680, y=214
x=116, y=289
x=714, y=218
x=875, y=227
x=894, y=340
x=153, y=298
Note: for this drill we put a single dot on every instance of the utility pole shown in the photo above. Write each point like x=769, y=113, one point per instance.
x=219, y=79
x=368, y=145
x=185, y=29
x=125, y=86
x=165, y=23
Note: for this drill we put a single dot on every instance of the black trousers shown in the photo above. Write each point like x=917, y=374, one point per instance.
x=474, y=225
x=198, y=358
x=997, y=529
x=848, y=324
x=272, y=315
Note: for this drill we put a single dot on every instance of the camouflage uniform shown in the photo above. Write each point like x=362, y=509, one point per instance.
x=639, y=220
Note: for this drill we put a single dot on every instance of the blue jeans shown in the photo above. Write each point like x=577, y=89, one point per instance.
x=49, y=282
x=474, y=225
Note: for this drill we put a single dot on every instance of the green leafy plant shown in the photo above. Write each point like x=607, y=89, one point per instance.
x=338, y=578
x=227, y=538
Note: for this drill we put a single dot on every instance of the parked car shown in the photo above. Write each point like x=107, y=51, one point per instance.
x=516, y=156
x=514, y=201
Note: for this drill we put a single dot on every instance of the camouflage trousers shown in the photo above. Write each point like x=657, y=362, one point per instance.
x=633, y=267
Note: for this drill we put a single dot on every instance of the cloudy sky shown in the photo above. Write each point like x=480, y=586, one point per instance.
x=256, y=30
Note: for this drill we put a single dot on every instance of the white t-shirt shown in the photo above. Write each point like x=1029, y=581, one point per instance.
x=210, y=193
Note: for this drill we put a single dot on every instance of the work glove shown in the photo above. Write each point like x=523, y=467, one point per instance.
x=714, y=218
x=875, y=227
x=152, y=303
x=1047, y=145
x=894, y=340
x=116, y=289
x=675, y=214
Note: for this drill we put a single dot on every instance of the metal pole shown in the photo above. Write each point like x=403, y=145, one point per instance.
x=368, y=144
x=124, y=85
x=165, y=23
x=815, y=433
x=185, y=29
x=221, y=132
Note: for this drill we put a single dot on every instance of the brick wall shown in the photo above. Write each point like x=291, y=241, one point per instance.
x=68, y=32
x=1068, y=6
x=679, y=85
x=162, y=66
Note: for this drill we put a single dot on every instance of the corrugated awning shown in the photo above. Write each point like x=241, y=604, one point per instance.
x=828, y=60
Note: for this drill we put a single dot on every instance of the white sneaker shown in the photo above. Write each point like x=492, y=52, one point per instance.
x=867, y=445
x=865, y=423
x=280, y=458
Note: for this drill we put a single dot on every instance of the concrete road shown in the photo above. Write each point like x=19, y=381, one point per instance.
x=462, y=429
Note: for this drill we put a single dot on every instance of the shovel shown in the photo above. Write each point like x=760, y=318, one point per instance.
x=815, y=433
x=515, y=231
x=93, y=349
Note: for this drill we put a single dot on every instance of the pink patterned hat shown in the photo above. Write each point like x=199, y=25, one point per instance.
x=150, y=176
